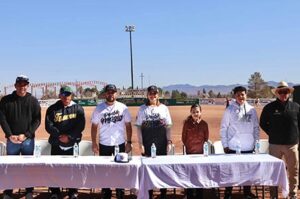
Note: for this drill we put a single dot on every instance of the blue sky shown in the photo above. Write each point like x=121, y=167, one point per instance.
x=195, y=42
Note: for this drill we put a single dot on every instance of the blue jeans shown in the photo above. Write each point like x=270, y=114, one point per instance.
x=25, y=148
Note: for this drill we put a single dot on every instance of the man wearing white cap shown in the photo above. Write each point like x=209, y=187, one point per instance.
x=280, y=119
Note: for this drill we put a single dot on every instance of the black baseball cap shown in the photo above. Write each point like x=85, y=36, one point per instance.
x=110, y=87
x=22, y=78
x=152, y=89
x=65, y=91
x=239, y=89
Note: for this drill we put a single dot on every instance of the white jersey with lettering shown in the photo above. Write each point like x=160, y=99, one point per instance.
x=111, y=121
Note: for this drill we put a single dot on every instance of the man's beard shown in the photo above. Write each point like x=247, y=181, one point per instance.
x=110, y=99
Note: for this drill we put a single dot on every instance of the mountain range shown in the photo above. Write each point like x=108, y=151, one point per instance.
x=223, y=89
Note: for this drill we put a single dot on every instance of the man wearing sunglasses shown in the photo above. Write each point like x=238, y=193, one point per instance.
x=280, y=119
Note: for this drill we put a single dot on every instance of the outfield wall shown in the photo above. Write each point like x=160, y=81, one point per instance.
x=138, y=101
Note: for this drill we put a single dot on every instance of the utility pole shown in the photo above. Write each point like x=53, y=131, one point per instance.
x=142, y=80
x=131, y=28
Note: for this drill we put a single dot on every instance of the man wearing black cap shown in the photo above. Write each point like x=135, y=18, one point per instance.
x=65, y=122
x=239, y=130
x=20, y=116
x=112, y=119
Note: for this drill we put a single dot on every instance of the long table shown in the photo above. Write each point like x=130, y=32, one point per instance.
x=198, y=171
x=143, y=174
x=68, y=171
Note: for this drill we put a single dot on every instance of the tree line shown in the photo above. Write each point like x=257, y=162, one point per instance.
x=257, y=88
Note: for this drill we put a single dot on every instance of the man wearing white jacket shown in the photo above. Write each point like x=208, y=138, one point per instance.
x=239, y=130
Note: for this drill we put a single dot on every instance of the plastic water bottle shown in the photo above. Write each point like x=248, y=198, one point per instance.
x=257, y=146
x=130, y=155
x=153, y=150
x=117, y=149
x=76, y=150
x=238, y=147
x=205, y=149
x=172, y=151
x=37, y=150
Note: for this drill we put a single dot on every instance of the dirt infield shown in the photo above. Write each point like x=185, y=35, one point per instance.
x=212, y=114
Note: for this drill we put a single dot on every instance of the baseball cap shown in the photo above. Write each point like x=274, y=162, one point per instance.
x=110, y=87
x=239, y=89
x=152, y=89
x=65, y=91
x=22, y=78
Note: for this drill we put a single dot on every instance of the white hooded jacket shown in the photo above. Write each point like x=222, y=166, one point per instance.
x=239, y=125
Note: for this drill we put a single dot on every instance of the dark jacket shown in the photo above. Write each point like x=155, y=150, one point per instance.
x=281, y=121
x=194, y=135
x=20, y=115
x=67, y=120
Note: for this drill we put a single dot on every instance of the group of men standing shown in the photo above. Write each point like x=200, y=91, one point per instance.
x=20, y=116
x=280, y=120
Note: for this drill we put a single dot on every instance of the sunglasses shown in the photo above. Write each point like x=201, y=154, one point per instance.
x=283, y=92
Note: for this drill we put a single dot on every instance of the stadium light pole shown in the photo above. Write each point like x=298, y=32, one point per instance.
x=130, y=28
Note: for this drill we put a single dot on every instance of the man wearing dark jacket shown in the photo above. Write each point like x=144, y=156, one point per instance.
x=65, y=122
x=281, y=121
x=20, y=116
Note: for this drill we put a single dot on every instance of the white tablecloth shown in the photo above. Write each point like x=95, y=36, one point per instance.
x=212, y=171
x=68, y=171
